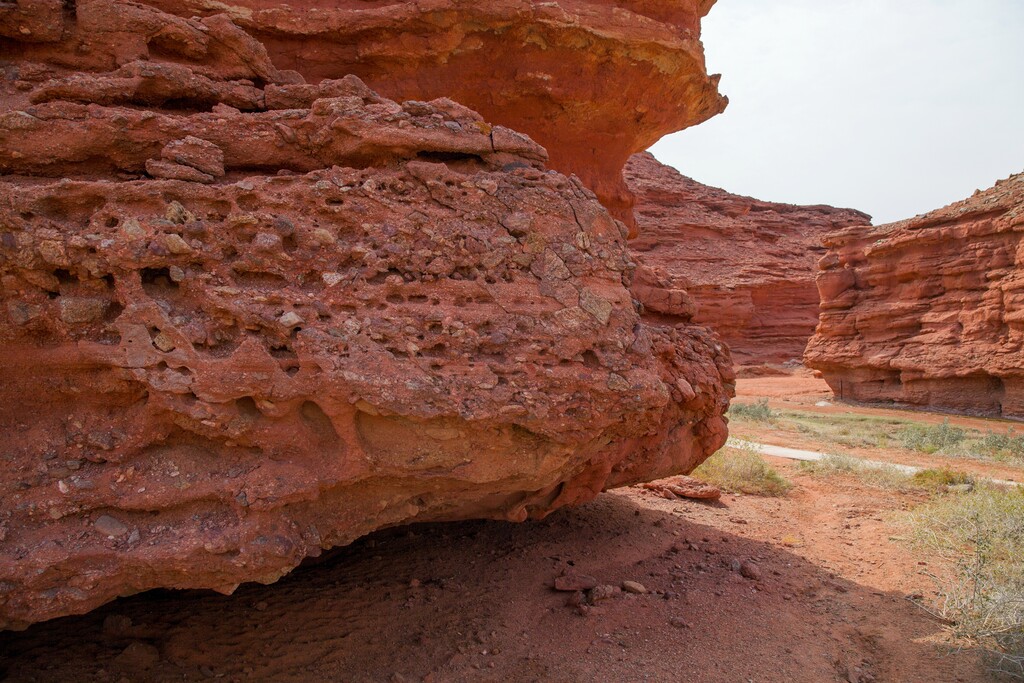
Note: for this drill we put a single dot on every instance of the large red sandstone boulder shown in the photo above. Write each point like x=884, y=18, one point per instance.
x=593, y=81
x=244, y=318
x=929, y=311
x=742, y=266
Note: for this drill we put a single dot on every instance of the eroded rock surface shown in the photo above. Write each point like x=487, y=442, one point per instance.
x=742, y=266
x=593, y=81
x=242, y=328
x=929, y=311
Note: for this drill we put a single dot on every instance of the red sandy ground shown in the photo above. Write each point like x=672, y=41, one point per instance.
x=473, y=601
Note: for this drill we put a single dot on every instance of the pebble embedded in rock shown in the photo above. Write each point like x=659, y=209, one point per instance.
x=75, y=310
x=176, y=244
x=163, y=342
x=686, y=389
x=267, y=242
x=178, y=214
x=595, y=306
x=109, y=526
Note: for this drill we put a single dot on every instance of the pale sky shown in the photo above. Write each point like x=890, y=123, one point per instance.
x=891, y=107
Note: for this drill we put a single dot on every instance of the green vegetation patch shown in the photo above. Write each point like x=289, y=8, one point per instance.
x=942, y=437
x=939, y=478
x=1006, y=446
x=853, y=430
x=755, y=412
x=889, y=476
x=742, y=470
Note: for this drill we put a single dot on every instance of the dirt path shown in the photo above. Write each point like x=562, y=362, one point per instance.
x=803, y=392
x=473, y=602
x=814, y=456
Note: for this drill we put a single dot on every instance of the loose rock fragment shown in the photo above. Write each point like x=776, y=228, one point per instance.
x=575, y=582
x=684, y=487
x=603, y=592
x=750, y=570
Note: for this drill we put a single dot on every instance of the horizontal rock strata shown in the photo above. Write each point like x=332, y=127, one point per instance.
x=593, y=81
x=741, y=266
x=244, y=317
x=929, y=311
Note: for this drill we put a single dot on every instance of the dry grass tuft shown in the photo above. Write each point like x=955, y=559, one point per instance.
x=742, y=470
x=885, y=477
x=981, y=537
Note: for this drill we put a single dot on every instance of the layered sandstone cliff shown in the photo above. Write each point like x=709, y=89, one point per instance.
x=741, y=266
x=929, y=311
x=593, y=81
x=245, y=317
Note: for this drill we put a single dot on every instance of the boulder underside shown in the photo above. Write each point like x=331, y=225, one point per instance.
x=245, y=318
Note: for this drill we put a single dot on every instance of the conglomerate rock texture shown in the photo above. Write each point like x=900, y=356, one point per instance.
x=742, y=266
x=929, y=311
x=244, y=317
x=593, y=81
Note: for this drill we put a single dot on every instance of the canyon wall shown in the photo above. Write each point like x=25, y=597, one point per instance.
x=741, y=266
x=592, y=81
x=929, y=311
x=245, y=316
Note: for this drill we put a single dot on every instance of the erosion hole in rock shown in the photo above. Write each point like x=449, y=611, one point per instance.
x=246, y=407
x=156, y=280
x=455, y=160
x=65, y=277
x=69, y=207
x=259, y=280
x=319, y=422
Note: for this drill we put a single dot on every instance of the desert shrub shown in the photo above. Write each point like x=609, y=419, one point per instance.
x=759, y=411
x=880, y=476
x=742, y=470
x=1000, y=446
x=932, y=438
x=981, y=536
x=941, y=478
